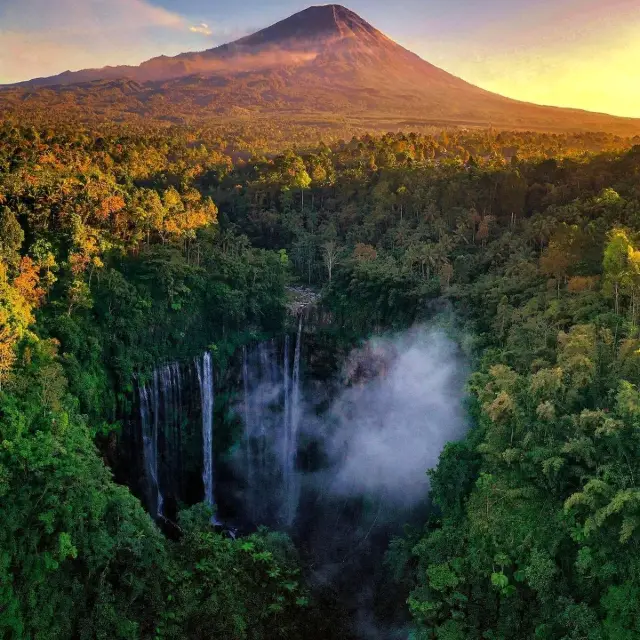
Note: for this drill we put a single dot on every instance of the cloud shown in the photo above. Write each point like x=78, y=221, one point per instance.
x=391, y=425
x=78, y=17
x=201, y=28
x=379, y=437
x=41, y=38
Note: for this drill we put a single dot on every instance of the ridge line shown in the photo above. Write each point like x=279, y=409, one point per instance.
x=336, y=21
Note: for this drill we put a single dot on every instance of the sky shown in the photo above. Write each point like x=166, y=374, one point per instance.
x=570, y=53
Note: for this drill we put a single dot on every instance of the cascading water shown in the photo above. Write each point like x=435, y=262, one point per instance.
x=291, y=423
x=169, y=404
x=205, y=381
x=178, y=423
x=271, y=413
x=287, y=442
x=155, y=394
x=176, y=398
x=261, y=387
x=330, y=479
x=161, y=426
x=248, y=421
x=149, y=421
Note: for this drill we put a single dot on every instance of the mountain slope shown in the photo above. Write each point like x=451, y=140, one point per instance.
x=324, y=62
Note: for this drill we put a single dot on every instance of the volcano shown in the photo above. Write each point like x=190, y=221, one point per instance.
x=323, y=63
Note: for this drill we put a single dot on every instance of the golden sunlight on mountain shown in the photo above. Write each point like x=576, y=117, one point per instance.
x=586, y=59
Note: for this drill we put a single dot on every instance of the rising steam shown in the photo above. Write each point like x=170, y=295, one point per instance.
x=400, y=403
x=343, y=480
x=389, y=427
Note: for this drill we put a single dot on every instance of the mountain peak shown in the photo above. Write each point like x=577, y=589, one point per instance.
x=325, y=59
x=318, y=22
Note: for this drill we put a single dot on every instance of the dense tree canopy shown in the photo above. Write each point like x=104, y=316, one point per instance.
x=114, y=257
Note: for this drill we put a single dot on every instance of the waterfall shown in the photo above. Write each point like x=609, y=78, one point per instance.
x=295, y=402
x=271, y=413
x=248, y=422
x=165, y=410
x=171, y=424
x=166, y=392
x=262, y=385
x=286, y=428
x=205, y=381
x=177, y=426
x=291, y=424
x=161, y=425
x=155, y=394
x=149, y=421
x=177, y=416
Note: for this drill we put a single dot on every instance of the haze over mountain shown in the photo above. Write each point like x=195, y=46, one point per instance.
x=322, y=63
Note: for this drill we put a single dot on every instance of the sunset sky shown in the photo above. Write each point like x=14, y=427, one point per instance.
x=579, y=53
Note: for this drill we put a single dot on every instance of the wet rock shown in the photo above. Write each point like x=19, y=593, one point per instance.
x=300, y=299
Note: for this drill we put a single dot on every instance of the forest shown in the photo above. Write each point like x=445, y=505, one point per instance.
x=126, y=247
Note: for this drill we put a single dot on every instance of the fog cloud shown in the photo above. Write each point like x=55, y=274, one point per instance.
x=404, y=405
x=343, y=464
x=400, y=400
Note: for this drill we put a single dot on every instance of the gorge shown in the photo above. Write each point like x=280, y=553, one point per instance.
x=318, y=459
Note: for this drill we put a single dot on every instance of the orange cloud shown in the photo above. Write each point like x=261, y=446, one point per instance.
x=40, y=37
x=201, y=28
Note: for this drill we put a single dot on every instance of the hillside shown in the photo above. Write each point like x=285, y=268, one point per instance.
x=320, y=65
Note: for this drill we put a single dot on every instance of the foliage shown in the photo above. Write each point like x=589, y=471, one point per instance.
x=104, y=271
x=113, y=257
